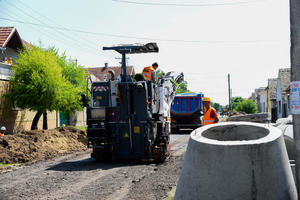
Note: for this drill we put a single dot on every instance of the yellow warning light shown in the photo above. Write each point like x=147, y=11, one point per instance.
x=126, y=135
x=137, y=129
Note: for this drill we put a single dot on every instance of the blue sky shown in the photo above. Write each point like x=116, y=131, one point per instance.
x=206, y=41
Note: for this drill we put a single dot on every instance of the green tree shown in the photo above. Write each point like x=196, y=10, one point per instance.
x=75, y=85
x=41, y=83
x=216, y=106
x=247, y=106
x=236, y=101
x=182, y=88
x=159, y=73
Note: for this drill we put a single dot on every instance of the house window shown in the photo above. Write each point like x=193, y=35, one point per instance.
x=279, y=106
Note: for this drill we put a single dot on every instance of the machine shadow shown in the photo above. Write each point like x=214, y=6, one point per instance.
x=90, y=164
x=185, y=131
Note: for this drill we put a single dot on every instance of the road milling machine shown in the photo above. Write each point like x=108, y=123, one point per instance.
x=129, y=118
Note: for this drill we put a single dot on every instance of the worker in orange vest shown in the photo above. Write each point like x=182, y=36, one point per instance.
x=149, y=72
x=2, y=131
x=210, y=114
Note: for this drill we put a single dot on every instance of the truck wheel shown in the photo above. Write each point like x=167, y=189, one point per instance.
x=101, y=155
x=160, y=154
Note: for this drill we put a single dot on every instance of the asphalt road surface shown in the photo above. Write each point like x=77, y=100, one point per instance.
x=77, y=176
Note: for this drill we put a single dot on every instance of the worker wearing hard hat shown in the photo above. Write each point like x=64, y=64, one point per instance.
x=149, y=72
x=210, y=114
x=2, y=130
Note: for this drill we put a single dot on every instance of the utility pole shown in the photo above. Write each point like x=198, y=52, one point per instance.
x=295, y=76
x=229, y=94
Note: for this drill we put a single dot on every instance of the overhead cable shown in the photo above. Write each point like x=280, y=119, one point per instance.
x=141, y=38
x=50, y=36
x=84, y=40
x=187, y=5
x=68, y=37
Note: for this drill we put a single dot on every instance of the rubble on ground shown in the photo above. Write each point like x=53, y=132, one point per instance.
x=258, y=117
x=35, y=145
x=287, y=120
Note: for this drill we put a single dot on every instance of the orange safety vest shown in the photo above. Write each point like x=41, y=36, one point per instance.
x=206, y=118
x=147, y=73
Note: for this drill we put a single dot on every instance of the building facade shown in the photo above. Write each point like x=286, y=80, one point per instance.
x=282, y=92
x=13, y=118
x=271, y=98
x=261, y=99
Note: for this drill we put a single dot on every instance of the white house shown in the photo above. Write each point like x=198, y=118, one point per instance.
x=282, y=92
x=261, y=99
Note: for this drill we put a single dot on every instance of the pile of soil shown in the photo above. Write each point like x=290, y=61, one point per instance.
x=32, y=146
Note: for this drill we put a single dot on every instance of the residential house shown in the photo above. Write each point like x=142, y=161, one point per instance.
x=282, y=92
x=13, y=118
x=102, y=73
x=271, y=98
x=252, y=97
x=261, y=99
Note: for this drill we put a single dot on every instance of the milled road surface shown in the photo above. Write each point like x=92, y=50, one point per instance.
x=77, y=176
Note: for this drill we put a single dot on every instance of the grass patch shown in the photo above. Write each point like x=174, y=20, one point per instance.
x=83, y=128
x=171, y=194
x=7, y=165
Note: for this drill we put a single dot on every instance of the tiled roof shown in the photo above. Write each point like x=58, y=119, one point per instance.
x=272, y=87
x=10, y=36
x=99, y=73
x=5, y=35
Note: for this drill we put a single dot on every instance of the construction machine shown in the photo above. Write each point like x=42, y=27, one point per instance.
x=129, y=118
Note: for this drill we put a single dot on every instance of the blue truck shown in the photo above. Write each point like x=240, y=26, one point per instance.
x=186, y=110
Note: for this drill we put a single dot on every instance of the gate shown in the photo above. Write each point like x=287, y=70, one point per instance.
x=63, y=118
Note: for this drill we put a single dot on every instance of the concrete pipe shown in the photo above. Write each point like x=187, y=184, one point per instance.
x=236, y=161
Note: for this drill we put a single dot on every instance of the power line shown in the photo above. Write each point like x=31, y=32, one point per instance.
x=68, y=37
x=58, y=37
x=140, y=38
x=45, y=33
x=38, y=30
x=51, y=20
x=187, y=5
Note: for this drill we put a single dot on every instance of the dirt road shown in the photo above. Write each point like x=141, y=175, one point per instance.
x=77, y=176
